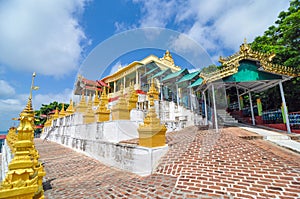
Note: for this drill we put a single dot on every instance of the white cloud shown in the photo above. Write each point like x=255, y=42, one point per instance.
x=216, y=25
x=156, y=13
x=62, y=97
x=41, y=36
x=6, y=89
x=10, y=108
x=121, y=26
x=116, y=67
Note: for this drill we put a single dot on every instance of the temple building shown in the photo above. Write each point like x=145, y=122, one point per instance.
x=149, y=98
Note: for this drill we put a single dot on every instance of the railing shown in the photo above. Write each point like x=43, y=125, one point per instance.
x=275, y=117
x=272, y=117
x=234, y=106
x=295, y=120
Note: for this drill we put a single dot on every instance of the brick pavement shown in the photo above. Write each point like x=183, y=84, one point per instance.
x=199, y=164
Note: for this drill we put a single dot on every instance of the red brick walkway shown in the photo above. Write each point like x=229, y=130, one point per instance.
x=199, y=164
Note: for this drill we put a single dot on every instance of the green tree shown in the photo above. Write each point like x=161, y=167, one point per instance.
x=283, y=39
x=46, y=109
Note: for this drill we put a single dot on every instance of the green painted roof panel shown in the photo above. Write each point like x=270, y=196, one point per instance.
x=176, y=74
x=189, y=76
x=151, y=71
x=161, y=73
x=198, y=82
x=248, y=71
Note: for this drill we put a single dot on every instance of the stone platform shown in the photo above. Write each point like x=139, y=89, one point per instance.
x=198, y=164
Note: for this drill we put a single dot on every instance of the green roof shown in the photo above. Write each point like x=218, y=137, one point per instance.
x=150, y=71
x=248, y=72
x=196, y=83
x=189, y=76
x=176, y=74
x=161, y=73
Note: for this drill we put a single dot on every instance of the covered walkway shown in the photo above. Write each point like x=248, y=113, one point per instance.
x=249, y=72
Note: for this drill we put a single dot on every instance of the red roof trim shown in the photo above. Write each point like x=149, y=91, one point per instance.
x=141, y=92
x=102, y=83
x=113, y=99
x=2, y=137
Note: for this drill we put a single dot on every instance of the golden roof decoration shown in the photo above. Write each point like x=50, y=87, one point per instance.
x=167, y=58
x=245, y=52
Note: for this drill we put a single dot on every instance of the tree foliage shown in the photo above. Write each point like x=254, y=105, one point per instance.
x=46, y=109
x=283, y=39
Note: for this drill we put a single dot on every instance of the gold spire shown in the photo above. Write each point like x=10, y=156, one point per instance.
x=25, y=175
x=89, y=116
x=104, y=98
x=62, y=112
x=152, y=93
x=168, y=58
x=102, y=113
x=48, y=122
x=82, y=106
x=132, y=97
x=90, y=101
x=152, y=133
x=96, y=98
x=70, y=109
x=56, y=115
x=121, y=111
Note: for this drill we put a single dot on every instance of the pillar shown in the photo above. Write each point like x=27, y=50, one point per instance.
x=285, y=108
x=161, y=92
x=115, y=86
x=124, y=82
x=205, y=108
x=177, y=93
x=238, y=96
x=251, y=107
x=215, y=108
x=137, y=80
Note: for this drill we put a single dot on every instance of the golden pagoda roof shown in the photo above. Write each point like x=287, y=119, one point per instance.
x=166, y=62
x=231, y=63
x=249, y=69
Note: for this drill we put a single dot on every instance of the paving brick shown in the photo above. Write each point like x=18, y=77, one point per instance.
x=199, y=163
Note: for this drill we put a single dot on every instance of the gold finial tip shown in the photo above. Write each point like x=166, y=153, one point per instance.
x=245, y=40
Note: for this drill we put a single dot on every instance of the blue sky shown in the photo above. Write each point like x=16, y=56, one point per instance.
x=54, y=37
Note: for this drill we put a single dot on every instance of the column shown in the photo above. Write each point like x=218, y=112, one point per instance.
x=238, y=96
x=205, y=107
x=251, y=107
x=215, y=108
x=137, y=78
x=115, y=86
x=124, y=83
x=161, y=92
x=177, y=93
x=191, y=100
x=285, y=108
x=226, y=100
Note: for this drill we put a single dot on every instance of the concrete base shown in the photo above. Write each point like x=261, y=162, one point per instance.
x=101, y=141
x=120, y=114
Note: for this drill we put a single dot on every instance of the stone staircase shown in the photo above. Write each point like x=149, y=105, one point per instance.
x=226, y=117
